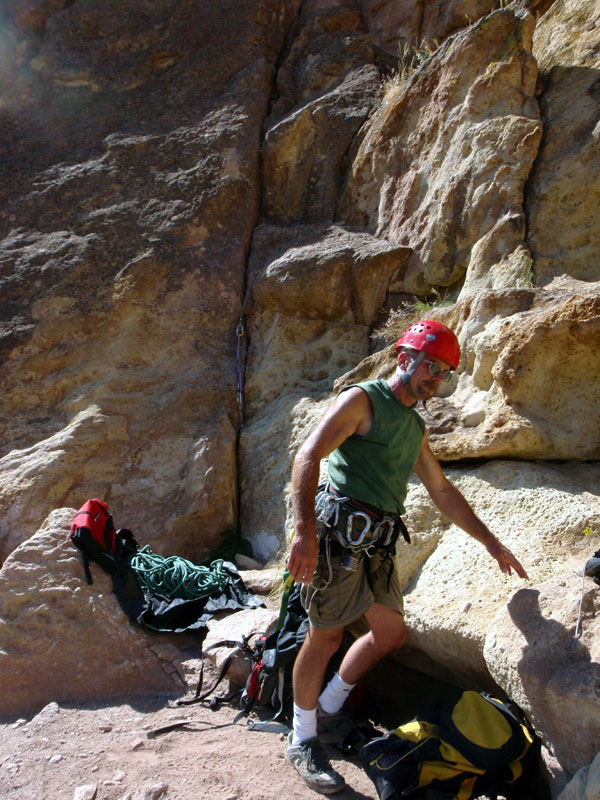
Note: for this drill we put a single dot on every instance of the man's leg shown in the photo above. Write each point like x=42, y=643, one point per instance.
x=304, y=751
x=309, y=671
x=388, y=633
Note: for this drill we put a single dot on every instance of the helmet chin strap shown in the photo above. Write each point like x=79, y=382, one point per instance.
x=405, y=376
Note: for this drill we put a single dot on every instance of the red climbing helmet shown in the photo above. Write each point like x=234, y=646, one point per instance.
x=433, y=338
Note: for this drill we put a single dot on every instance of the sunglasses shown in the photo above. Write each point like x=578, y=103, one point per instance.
x=435, y=369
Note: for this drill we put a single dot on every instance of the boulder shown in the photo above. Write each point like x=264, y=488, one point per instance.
x=242, y=626
x=62, y=640
x=532, y=652
x=546, y=514
x=261, y=581
x=585, y=784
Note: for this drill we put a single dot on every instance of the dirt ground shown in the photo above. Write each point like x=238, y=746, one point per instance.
x=108, y=752
x=112, y=751
x=115, y=751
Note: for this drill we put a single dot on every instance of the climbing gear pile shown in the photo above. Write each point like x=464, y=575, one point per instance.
x=163, y=594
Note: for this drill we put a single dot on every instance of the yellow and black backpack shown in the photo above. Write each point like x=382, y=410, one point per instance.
x=475, y=746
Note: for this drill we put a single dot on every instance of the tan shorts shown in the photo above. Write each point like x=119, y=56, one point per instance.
x=340, y=598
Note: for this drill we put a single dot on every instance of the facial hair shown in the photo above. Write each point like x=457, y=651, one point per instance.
x=426, y=389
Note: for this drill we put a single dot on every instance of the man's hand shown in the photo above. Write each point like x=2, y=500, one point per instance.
x=506, y=560
x=302, y=559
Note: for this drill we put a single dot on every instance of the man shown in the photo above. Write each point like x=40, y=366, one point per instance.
x=374, y=439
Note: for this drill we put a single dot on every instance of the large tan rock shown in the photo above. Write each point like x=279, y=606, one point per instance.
x=528, y=386
x=564, y=190
x=530, y=651
x=129, y=182
x=61, y=639
x=247, y=625
x=454, y=589
x=442, y=163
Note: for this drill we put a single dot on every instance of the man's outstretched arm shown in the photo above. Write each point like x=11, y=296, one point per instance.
x=452, y=504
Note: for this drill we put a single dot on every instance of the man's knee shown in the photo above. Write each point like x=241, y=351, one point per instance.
x=317, y=649
x=397, y=635
x=387, y=627
x=324, y=641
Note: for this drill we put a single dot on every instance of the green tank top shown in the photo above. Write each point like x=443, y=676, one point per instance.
x=375, y=468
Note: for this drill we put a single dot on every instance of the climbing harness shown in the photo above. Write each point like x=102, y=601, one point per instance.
x=351, y=530
x=174, y=576
x=353, y=526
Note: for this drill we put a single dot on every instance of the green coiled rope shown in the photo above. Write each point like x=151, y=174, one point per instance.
x=176, y=577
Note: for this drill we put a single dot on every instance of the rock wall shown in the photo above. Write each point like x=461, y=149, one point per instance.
x=212, y=219
x=129, y=199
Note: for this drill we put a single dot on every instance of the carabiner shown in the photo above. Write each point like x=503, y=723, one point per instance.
x=350, y=524
x=378, y=533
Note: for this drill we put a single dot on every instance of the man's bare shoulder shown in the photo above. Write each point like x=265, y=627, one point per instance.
x=353, y=395
x=354, y=402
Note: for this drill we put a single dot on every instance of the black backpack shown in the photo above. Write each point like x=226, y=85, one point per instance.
x=270, y=681
x=269, y=685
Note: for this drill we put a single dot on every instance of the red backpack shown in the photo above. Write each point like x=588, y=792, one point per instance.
x=93, y=532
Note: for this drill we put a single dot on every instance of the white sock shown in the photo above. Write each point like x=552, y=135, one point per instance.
x=333, y=697
x=305, y=724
